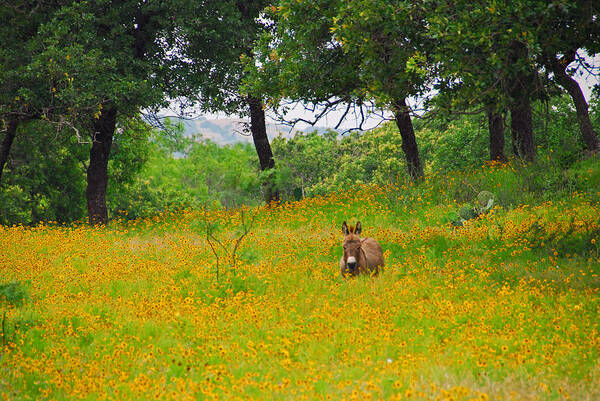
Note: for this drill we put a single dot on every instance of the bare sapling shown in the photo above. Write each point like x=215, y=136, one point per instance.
x=214, y=242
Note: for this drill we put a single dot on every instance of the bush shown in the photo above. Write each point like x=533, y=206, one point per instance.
x=200, y=172
x=13, y=293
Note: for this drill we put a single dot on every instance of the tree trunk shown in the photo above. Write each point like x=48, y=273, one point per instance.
x=11, y=130
x=97, y=172
x=522, y=128
x=496, y=127
x=520, y=86
x=409, y=141
x=258, y=129
x=583, y=117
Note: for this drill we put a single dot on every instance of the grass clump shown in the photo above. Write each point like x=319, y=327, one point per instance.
x=13, y=293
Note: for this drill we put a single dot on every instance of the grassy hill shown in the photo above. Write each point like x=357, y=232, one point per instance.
x=505, y=306
x=228, y=131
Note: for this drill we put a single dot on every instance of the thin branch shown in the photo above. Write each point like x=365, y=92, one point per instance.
x=343, y=116
x=64, y=123
x=208, y=236
x=362, y=117
x=4, y=329
x=328, y=106
x=220, y=243
x=361, y=110
x=583, y=63
x=246, y=231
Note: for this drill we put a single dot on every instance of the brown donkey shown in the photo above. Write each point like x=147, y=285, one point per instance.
x=361, y=255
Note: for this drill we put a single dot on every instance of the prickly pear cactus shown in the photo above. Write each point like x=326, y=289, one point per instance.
x=484, y=203
x=486, y=200
x=467, y=213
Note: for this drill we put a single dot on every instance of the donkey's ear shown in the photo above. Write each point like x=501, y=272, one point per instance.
x=358, y=228
x=345, y=228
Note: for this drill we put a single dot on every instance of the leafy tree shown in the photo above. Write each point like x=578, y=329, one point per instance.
x=107, y=60
x=484, y=54
x=45, y=179
x=102, y=61
x=572, y=25
x=23, y=96
x=496, y=53
x=351, y=52
x=218, y=50
x=312, y=164
x=392, y=48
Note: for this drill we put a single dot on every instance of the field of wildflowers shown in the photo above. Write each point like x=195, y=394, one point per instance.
x=505, y=307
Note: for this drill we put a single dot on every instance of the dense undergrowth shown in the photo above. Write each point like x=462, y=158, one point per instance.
x=505, y=307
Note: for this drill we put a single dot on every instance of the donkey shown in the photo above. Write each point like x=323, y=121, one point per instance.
x=361, y=255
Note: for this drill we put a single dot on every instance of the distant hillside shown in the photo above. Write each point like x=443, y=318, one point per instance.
x=224, y=131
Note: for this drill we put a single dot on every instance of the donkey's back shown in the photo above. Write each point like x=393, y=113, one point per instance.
x=373, y=254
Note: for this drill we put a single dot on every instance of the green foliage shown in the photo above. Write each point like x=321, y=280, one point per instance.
x=229, y=174
x=311, y=164
x=14, y=293
x=455, y=142
x=556, y=129
x=483, y=48
x=130, y=151
x=66, y=62
x=44, y=177
x=22, y=91
x=13, y=198
x=101, y=53
x=204, y=173
x=388, y=42
x=151, y=171
x=306, y=63
x=219, y=37
x=330, y=53
x=93, y=57
x=454, y=145
x=304, y=162
x=474, y=41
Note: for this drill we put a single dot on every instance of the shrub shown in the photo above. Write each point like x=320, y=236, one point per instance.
x=13, y=293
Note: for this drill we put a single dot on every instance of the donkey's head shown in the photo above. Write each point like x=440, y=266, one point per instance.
x=351, y=246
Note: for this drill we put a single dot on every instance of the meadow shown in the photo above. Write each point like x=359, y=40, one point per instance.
x=504, y=307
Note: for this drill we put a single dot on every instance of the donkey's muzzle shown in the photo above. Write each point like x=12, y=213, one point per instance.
x=351, y=263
